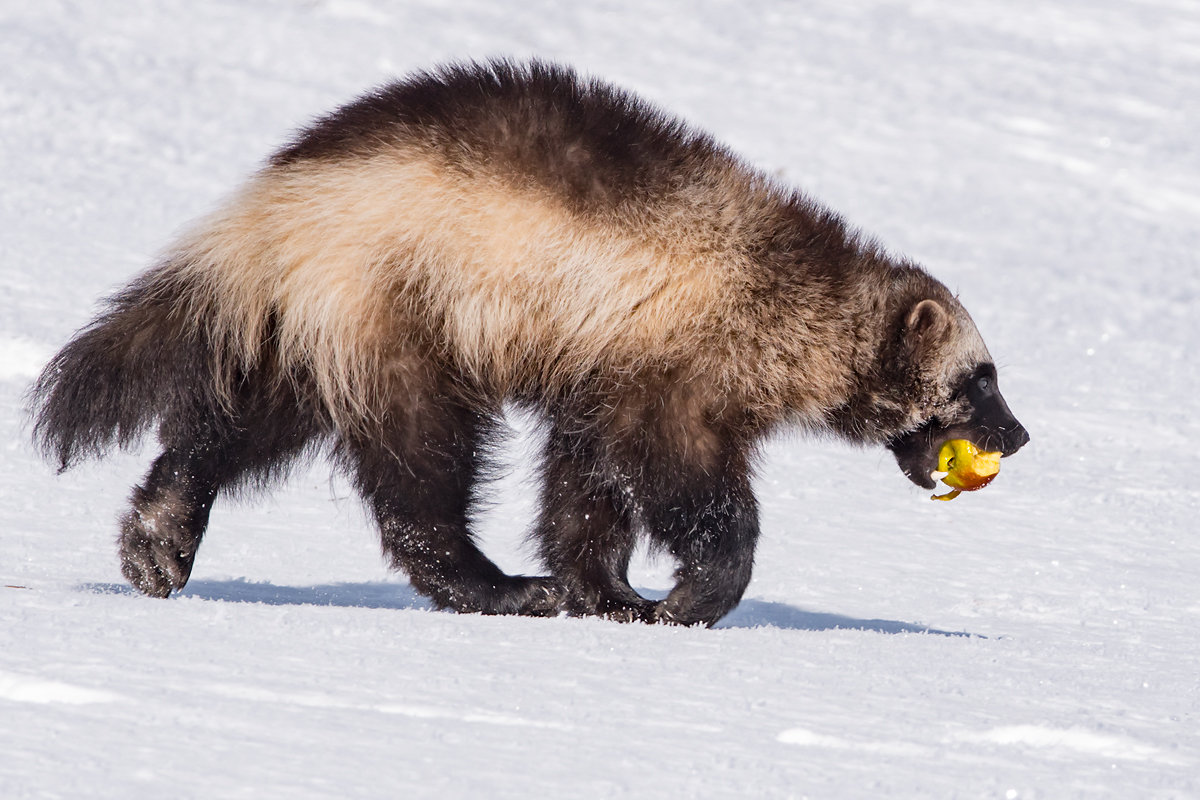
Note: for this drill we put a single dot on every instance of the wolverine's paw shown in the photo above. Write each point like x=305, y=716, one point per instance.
x=618, y=609
x=663, y=615
x=624, y=611
x=672, y=612
x=519, y=594
x=542, y=597
x=154, y=561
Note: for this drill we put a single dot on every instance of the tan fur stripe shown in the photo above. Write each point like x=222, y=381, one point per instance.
x=347, y=254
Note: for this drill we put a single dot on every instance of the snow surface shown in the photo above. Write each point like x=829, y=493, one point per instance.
x=1034, y=640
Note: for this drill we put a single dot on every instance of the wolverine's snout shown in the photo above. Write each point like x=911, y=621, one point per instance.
x=988, y=424
x=1014, y=439
x=992, y=425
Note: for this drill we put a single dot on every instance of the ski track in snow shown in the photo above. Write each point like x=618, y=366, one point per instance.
x=420, y=712
x=1037, y=739
x=1034, y=640
x=1040, y=737
x=29, y=689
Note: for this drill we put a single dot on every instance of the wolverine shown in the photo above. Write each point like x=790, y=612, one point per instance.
x=503, y=234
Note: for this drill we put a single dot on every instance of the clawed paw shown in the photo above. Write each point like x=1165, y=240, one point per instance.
x=618, y=610
x=156, y=562
x=544, y=598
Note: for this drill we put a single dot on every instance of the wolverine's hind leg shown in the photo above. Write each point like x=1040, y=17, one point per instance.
x=205, y=453
x=418, y=475
x=160, y=533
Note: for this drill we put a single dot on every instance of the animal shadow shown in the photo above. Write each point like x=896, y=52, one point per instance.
x=750, y=613
x=378, y=594
x=766, y=613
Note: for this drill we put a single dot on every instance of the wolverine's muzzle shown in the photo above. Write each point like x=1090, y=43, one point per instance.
x=988, y=424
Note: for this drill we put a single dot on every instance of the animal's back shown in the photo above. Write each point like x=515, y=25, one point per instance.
x=539, y=226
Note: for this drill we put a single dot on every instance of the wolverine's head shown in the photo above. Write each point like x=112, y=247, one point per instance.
x=932, y=380
x=942, y=353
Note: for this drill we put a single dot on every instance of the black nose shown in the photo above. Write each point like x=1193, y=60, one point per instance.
x=1015, y=439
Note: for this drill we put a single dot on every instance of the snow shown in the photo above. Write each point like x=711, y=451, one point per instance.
x=1037, y=639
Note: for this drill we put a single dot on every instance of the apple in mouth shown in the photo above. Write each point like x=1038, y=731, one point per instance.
x=964, y=468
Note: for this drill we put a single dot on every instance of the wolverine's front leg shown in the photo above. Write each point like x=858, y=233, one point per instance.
x=585, y=532
x=709, y=521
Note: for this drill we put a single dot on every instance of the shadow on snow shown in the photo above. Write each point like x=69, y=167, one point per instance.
x=750, y=613
x=765, y=613
x=342, y=595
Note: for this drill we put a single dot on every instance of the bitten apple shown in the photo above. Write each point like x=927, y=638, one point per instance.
x=964, y=468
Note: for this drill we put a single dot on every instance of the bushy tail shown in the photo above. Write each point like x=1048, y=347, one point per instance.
x=143, y=360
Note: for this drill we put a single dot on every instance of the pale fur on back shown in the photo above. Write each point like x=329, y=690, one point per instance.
x=353, y=257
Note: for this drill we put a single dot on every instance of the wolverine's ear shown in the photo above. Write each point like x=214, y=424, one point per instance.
x=927, y=325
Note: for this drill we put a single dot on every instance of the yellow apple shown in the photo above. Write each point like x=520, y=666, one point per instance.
x=964, y=468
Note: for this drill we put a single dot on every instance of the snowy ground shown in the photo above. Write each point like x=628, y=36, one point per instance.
x=1035, y=640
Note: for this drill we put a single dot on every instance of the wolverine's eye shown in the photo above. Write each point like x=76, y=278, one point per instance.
x=984, y=383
